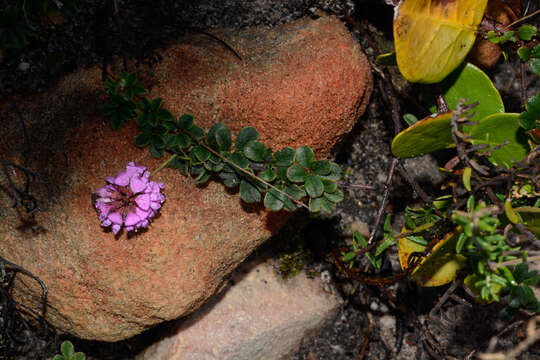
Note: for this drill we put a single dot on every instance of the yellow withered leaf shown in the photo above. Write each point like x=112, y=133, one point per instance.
x=432, y=37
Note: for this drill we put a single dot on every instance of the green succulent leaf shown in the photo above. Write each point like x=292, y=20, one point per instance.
x=245, y=136
x=67, y=349
x=285, y=157
x=79, y=356
x=255, y=151
x=249, y=193
x=314, y=186
x=296, y=173
x=304, y=156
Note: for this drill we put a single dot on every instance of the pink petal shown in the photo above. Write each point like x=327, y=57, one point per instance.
x=137, y=184
x=143, y=214
x=116, y=228
x=155, y=205
x=143, y=201
x=122, y=178
x=106, y=223
x=132, y=219
x=116, y=218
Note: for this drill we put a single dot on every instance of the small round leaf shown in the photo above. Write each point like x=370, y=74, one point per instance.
x=314, y=186
x=246, y=135
x=255, y=151
x=304, y=156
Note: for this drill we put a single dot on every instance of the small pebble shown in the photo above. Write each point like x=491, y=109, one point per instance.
x=23, y=66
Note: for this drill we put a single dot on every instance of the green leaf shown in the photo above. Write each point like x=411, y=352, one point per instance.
x=185, y=121
x=497, y=129
x=534, y=64
x=268, y=175
x=182, y=140
x=384, y=245
x=79, y=356
x=143, y=139
x=335, y=197
x=285, y=157
x=492, y=37
x=321, y=167
x=531, y=218
x=526, y=32
x=157, y=153
x=304, y=156
x=524, y=53
x=388, y=59
x=164, y=114
x=255, y=151
x=410, y=119
x=240, y=160
x=329, y=185
x=211, y=136
x=58, y=357
x=246, y=135
x=466, y=178
x=197, y=132
x=295, y=191
x=508, y=36
x=201, y=153
x=320, y=204
x=274, y=200
x=425, y=136
x=314, y=186
x=145, y=104
x=249, y=193
x=67, y=349
x=223, y=138
x=202, y=178
x=349, y=257
x=229, y=177
x=157, y=141
x=529, y=117
x=469, y=82
x=156, y=104
x=536, y=51
x=296, y=173
x=335, y=173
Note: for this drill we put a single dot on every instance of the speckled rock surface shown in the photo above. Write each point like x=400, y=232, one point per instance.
x=302, y=83
x=261, y=316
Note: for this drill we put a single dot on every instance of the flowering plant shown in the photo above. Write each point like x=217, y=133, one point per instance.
x=130, y=199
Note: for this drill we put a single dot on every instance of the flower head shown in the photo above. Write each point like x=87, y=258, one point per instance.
x=130, y=199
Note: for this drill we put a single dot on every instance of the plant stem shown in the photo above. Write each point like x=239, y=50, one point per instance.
x=163, y=164
x=250, y=174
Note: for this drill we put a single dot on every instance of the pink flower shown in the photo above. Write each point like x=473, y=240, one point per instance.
x=130, y=199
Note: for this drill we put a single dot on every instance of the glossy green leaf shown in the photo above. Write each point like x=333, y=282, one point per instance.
x=164, y=114
x=223, y=138
x=335, y=173
x=67, y=349
x=526, y=32
x=304, y=156
x=497, y=129
x=268, y=175
x=255, y=151
x=314, y=186
x=249, y=193
x=329, y=185
x=524, y=53
x=211, y=136
x=295, y=191
x=246, y=135
x=528, y=118
x=425, y=136
x=471, y=83
x=296, y=173
x=285, y=157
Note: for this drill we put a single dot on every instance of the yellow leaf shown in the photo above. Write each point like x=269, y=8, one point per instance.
x=432, y=37
x=437, y=269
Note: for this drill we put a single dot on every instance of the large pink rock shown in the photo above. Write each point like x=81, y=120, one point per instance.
x=302, y=83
